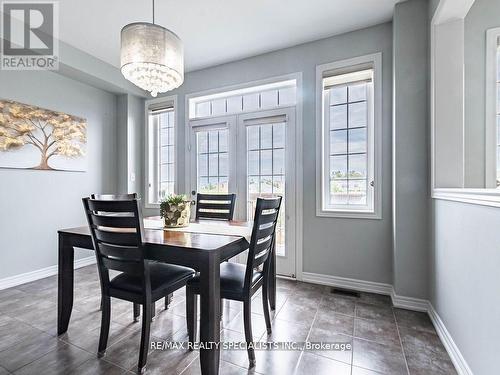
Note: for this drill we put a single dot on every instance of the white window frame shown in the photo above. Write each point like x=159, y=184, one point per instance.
x=491, y=141
x=219, y=123
x=240, y=92
x=151, y=174
x=374, y=151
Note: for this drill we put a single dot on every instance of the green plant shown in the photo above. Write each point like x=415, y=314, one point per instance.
x=171, y=200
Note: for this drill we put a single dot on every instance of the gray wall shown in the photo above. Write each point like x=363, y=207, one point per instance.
x=465, y=264
x=130, y=124
x=359, y=249
x=464, y=258
x=410, y=153
x=35, y=204
x=484, y=15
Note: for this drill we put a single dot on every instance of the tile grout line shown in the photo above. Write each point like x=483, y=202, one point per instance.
x=401, y=343
x=310, y=330
x=190, y=363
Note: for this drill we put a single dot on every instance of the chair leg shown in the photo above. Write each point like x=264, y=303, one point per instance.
x=191, y=314
x=168, y=300
x=137, y=312
x=146, y=325
x=105, y=320
x=265, y=305
x=153, y=311
x=247, y=320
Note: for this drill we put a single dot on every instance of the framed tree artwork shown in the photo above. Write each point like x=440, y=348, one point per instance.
x=36, y=138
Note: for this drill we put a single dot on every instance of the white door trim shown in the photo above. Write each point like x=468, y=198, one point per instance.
x=223, y=122
x=299, y=150
x=290, y=264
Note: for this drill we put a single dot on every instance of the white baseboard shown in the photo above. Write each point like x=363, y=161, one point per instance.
x=344, y=282
x=409, y=303
x=27, y=277
x=456, y=357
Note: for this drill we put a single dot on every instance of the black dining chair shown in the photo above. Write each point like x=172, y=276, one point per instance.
x=218, y=207
x=118, y=197
x=215, y=206
x=117, y=232
x=121, y=197
x=240, y=282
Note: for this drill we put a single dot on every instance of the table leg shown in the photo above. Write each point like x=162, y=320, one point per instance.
x=210, y=310
x=168, y=300
x=65, y=283
x=272, y=280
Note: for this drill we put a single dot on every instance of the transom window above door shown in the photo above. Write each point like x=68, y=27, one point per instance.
x=255, y=98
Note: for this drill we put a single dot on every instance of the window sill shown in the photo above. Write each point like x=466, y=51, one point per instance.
x=349, y=214
x=481, y=197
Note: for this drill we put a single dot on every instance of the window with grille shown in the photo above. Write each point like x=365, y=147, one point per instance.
x=348, y=140
x=160, y=150
x=268, y=96
x=212, y=161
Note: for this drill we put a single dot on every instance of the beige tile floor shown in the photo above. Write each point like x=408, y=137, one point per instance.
x=384, y=340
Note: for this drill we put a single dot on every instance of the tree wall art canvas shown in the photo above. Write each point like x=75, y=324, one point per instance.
x=36, y=138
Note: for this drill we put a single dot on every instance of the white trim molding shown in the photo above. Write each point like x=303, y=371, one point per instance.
x=347, y=283
x=409, y=303
x=297, y=76
x=27, y=277
x=164, y=99
x=482, y=197
x=456, y=356
x=372, y=61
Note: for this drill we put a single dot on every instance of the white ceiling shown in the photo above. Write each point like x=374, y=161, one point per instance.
x=217, y=31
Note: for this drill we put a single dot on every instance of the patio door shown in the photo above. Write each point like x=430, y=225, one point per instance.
x=252, y=155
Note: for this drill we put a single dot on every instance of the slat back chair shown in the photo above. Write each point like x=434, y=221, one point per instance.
x=121, y=197
x=240, y=282
x=263, y=238
x=114, y=197
x=215, y=206
x=117, y=232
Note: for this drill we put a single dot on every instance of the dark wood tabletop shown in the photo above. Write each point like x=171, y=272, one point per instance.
x=179, y=238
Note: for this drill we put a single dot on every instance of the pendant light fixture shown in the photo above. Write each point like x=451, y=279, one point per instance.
x=152, y=57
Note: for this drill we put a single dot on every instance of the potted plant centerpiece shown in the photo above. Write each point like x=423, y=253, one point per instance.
x=175, y=210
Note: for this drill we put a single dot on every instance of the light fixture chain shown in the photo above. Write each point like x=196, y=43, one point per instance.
x=153, y=12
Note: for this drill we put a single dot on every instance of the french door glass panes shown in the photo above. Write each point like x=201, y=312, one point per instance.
x=266, y=170
x=348, y=144
x=247, y=155
x=167, y=154
x=212, y=161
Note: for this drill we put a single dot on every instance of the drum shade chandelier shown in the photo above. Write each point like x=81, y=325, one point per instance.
x=152, y=57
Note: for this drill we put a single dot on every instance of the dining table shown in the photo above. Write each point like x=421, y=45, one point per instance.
x=202, y=245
